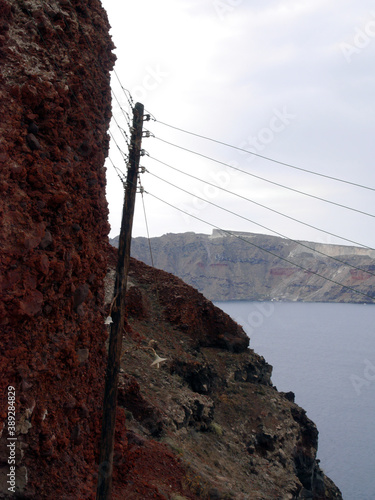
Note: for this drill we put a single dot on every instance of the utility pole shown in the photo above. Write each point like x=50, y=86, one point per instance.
x=104, y=484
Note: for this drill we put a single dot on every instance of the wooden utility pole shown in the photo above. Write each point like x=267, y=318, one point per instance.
x=118, y=312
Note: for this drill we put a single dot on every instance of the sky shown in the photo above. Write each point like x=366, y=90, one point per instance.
x=289, y=80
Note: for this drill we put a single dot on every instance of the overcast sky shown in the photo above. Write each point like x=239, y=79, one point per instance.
x=286, y=79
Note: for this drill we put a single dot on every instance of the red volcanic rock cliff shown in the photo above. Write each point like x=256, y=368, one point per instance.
x=55, y=107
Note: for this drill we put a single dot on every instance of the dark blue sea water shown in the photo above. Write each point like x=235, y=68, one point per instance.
x=325, y=354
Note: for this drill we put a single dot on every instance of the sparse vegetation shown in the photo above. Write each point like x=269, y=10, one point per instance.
x=216, y=429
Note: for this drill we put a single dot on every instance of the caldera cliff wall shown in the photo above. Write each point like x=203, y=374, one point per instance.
x=249, y=266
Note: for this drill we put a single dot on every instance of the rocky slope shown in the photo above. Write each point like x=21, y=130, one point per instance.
x=211, y=404
x=246, y=267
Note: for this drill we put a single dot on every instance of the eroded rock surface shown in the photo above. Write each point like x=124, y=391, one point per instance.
x=212, y=403
x=55, y=107
x=246, y=267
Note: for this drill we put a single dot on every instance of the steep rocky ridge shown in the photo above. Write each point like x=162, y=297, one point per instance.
x=211, y=402
x=225, y=267
x=55, y=107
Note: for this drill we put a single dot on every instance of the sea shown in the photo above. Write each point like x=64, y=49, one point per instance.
x=325, y=354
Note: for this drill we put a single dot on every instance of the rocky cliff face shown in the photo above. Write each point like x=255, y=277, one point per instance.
x=207, y=423
x=221, y=429
x=245, y=267
x=55, y=107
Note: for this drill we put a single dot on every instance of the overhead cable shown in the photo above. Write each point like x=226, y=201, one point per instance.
x=146, y=222
x=267, y=158
x=262, y=249
x=125, y=113
x=266, y=180
x=125, y=91
x=119, y=172
x=261, y=205
x=59, y=68
x=300, y=243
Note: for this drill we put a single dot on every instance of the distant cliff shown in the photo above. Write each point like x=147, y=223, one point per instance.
x=247, y=267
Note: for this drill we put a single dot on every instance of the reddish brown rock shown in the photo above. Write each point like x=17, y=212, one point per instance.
x=211, y=400
x=55, y=95
x=46, y=240
x=32, y=142
x=210, y=328
x=58, y=199
x=32, y=303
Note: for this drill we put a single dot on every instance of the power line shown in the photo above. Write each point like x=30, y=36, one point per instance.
x=265, y=227
x=124, y=155
x=261, y=205
x=146, y=222
x=123, y=132
x=262, y=249
x=126, y=115
x=126, y=92
x=118, y=171
x=265, y=180
x=60, y=70
x=128, y=95
x=89, y=44
x=267, y=158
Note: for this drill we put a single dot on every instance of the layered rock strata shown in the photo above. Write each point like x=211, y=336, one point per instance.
x=248, y=266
